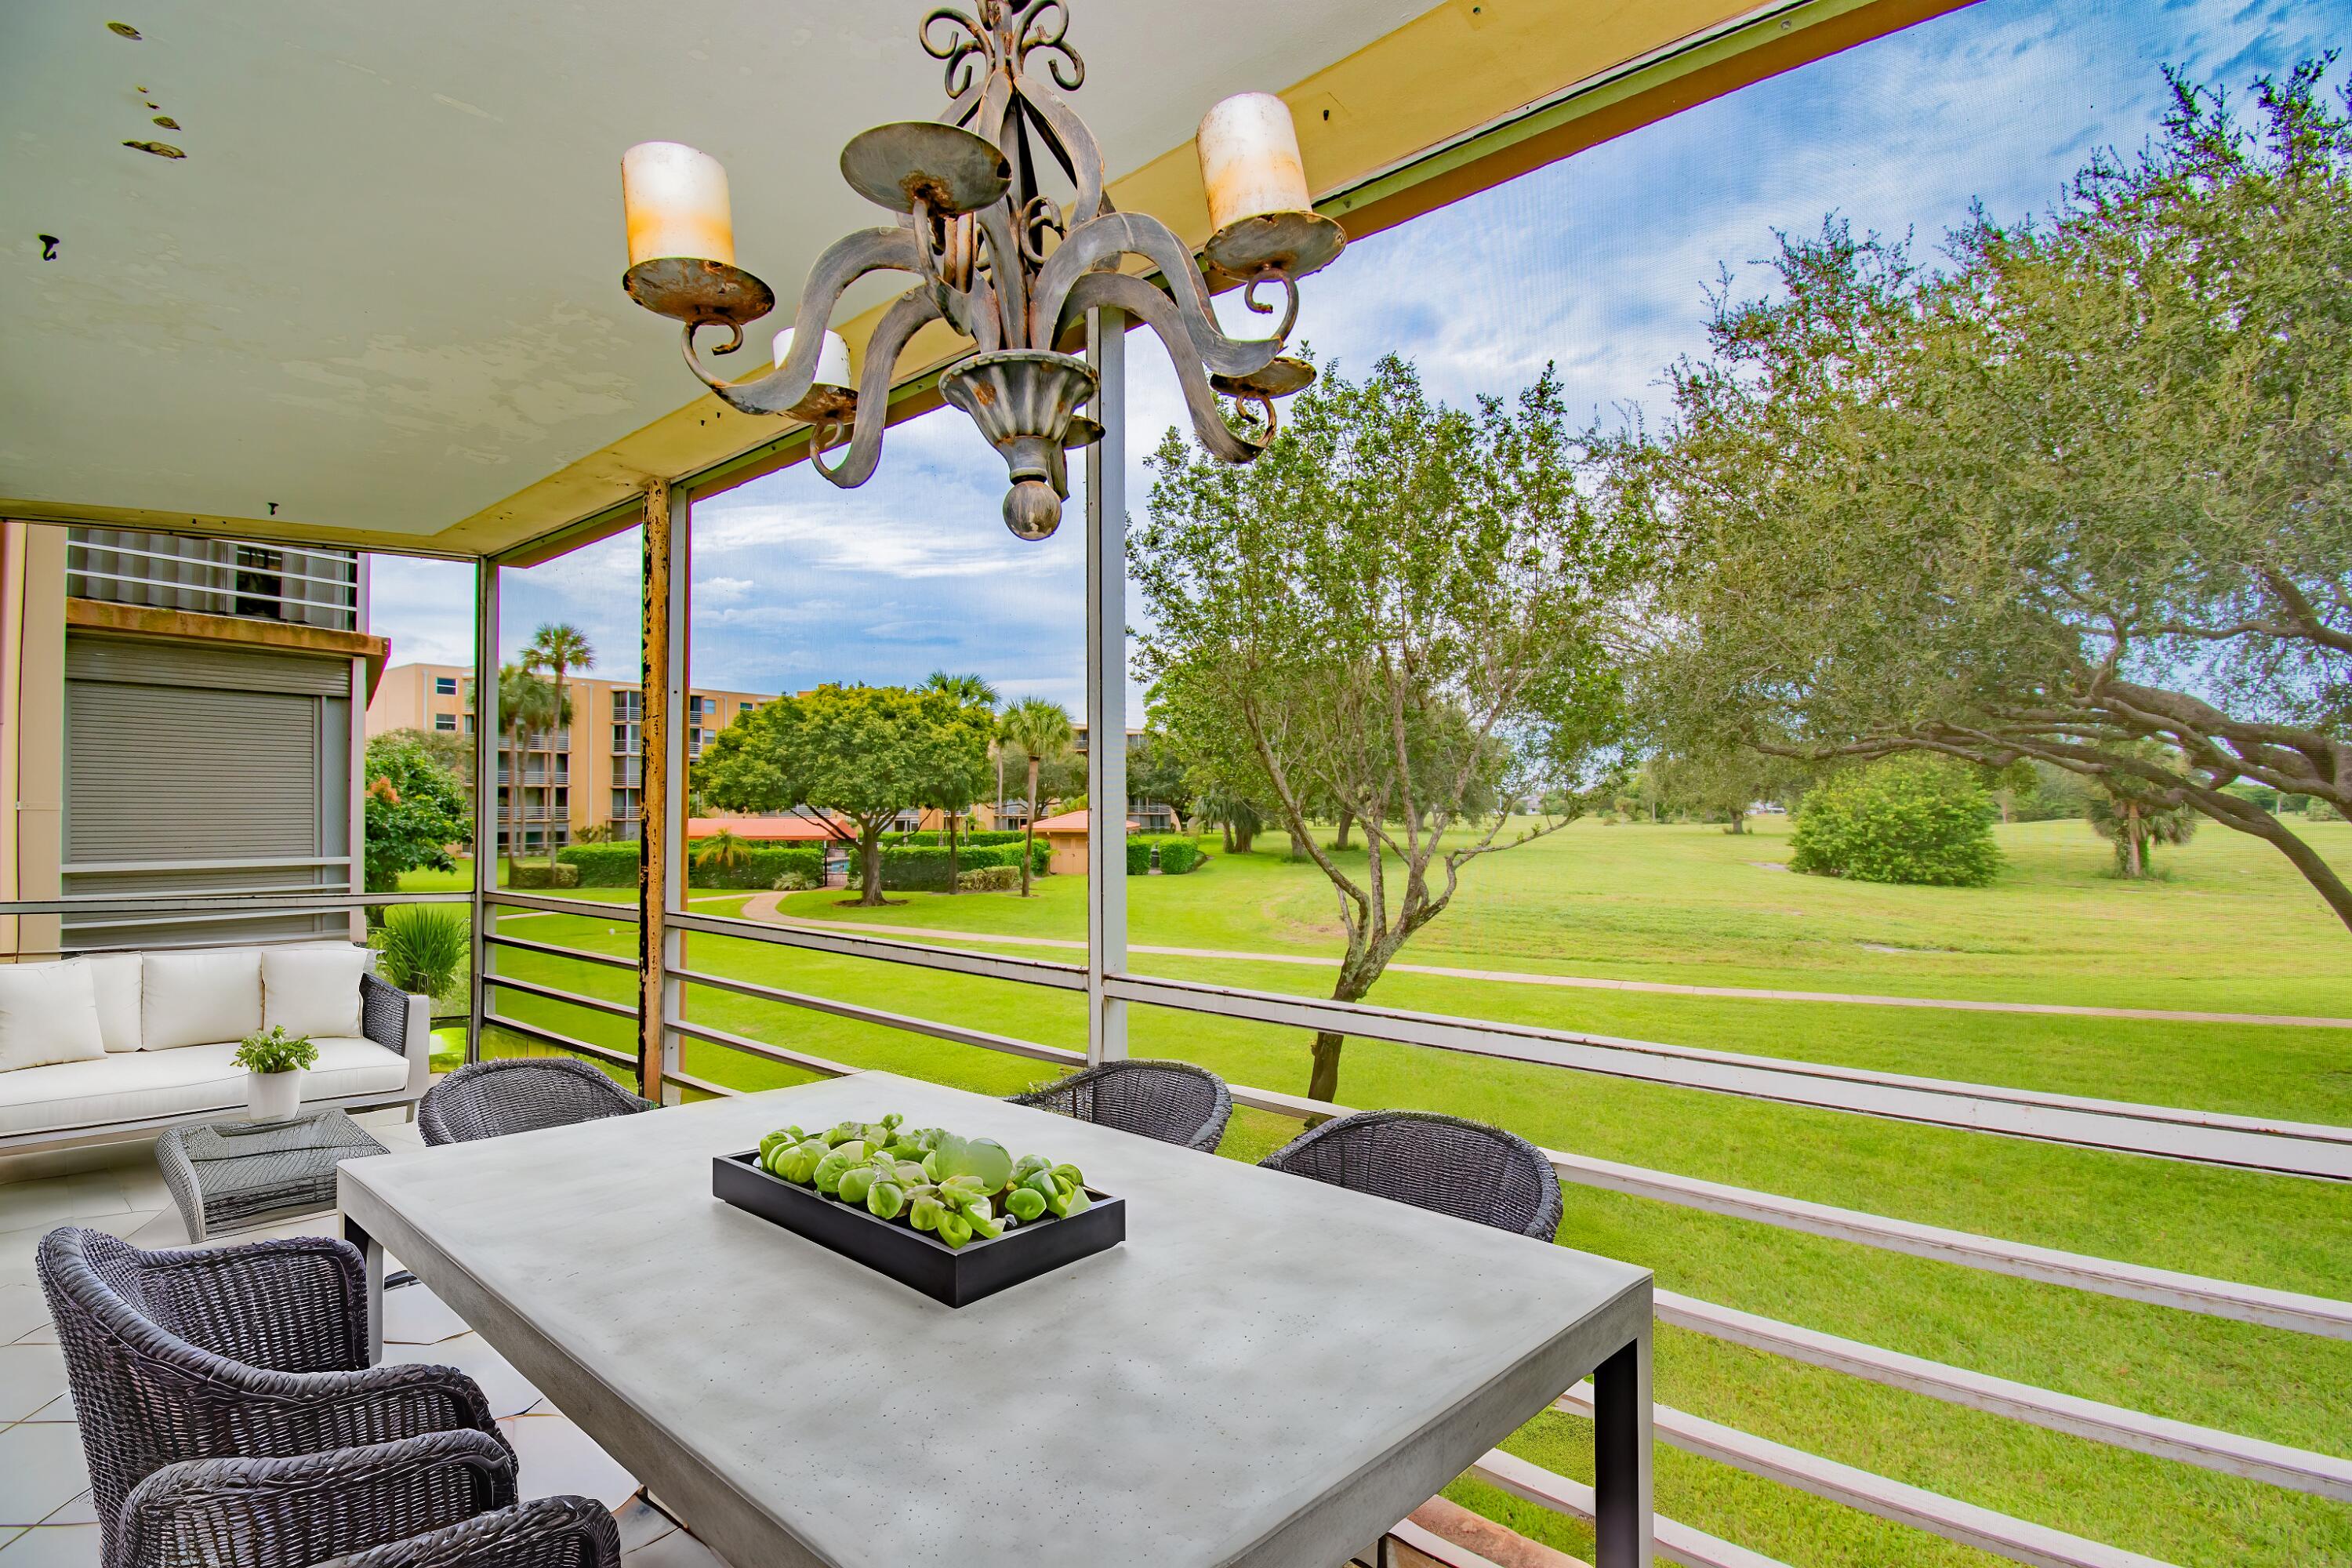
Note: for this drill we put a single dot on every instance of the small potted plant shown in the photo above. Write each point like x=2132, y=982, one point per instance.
x=273, y=1061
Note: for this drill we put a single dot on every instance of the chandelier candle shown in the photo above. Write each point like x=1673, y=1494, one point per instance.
x=676, y=203
x=1001, y=260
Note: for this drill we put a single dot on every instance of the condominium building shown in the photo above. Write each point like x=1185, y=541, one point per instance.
x=589, y=773
x=177, y=716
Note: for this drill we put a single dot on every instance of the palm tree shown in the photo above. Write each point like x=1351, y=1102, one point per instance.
x=558, y=647
x=965, y=691
x=1042, y=730
x=724, y=850
x=525, y=703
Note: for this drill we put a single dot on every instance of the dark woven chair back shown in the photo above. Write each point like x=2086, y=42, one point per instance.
x=519, y=1094
x=1175, y=1102
x=1466, y=1169
x=256, y=1350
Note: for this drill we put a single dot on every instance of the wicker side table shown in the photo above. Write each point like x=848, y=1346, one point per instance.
x=233, y=1175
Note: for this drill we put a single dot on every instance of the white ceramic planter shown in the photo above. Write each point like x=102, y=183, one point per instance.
x=274, y=1096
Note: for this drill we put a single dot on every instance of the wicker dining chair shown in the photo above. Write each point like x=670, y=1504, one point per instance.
x=258, y=1351
x=519, y=1094
x=446, y=1500
x=1175, y=1102
x=1466, y=1169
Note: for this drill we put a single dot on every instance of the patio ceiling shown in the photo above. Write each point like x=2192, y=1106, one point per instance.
x=377, y=300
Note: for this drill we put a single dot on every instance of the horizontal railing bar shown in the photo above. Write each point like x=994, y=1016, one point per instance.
x=2283, y=1148
x=704, y=1084
x=557, y=993
x=2297, y=1469
x=250, y=863
x=987, y=966
x=593, y=909
x=261, y=900
x=555, y=950
x=2321, y=1315
x=751, y=1047
x=1675, y=1542
x=1986, y=1530
x=216, y=564
x=1008, y=1044
x=556, y=1037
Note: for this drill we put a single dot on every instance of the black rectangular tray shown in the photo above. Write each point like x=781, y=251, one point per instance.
x=955, y=1276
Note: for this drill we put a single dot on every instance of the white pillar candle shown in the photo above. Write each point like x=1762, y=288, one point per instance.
x=677, y=202
x=1249, y=159
x=832, y=361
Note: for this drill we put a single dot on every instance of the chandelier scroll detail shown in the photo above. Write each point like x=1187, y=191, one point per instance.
x=998, y=258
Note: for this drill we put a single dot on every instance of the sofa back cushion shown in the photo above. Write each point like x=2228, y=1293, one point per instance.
x=199, y=997
x=312, y=990
x=116, y=977
x=48, y=1013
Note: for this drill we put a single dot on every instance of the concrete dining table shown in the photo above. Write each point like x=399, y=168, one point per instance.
x=1268, y=1370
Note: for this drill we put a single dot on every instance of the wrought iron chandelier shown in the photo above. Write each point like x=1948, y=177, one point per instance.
x=1000, y=260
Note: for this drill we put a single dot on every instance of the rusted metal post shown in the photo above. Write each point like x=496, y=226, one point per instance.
x=654, y=849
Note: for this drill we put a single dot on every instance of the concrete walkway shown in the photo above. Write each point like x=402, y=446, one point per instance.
x=763, y=907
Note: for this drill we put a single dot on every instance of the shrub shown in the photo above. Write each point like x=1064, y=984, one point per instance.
x=1915, y=819
x=524, y=875
x=1178, y=855
x=276, y=1051
x=602, y=865
x=424, y=947
x=989, y=880
x=923, y=868
x=761, y=869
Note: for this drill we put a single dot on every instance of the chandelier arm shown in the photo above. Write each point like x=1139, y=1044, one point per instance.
x=1114, y=234
x=847, y=260
x=1073, y=145
x=1158, y=311
x=907, y=316
x=1008, y=278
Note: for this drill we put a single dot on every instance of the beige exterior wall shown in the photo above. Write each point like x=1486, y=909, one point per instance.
x=597, y=777
x=32, y=729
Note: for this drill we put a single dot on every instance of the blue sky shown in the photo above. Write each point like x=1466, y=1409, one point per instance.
x=1600, y=263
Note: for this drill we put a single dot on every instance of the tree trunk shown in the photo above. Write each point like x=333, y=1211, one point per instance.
x=869, y=864
x=2134, y=866
x=951, y=849
x=550, y=781
x=1739, y=821
x=1346, y=820
x=1229, y=836
x=1243, y=837
x=514, y=805
x=1029, y=830
x=1323, y=1082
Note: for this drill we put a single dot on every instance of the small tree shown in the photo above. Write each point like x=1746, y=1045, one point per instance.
x=1906, y=818
x=969, y=691
x=724, y=850
x=862, y=753
x=1400, y=610
x=557, y=648
x=525, y=703
x=414, y=812
x=1041, y=731
x=2134, y=817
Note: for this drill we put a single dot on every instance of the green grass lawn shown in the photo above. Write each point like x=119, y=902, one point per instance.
x=2232, y=930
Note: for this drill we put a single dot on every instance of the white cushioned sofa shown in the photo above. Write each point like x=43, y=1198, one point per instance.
x=113, y=1045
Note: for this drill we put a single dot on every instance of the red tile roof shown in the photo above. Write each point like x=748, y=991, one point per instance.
x=765, y=829
x=1070, y=822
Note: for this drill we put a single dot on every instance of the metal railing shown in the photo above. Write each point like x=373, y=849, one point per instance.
x=2002, y=1535
x=214, y=576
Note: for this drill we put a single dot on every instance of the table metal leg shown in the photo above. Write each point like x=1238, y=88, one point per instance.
x=1620, y=1433
x=373, y=1253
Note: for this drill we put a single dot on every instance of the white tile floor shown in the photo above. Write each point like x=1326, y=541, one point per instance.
x=46, y=1519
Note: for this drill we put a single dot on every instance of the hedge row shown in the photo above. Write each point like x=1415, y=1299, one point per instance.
x=977, y=840
x=615, y=865
x=1178, y=855
x=922, y=868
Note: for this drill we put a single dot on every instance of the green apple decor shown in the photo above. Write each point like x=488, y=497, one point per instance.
x=956, y=1189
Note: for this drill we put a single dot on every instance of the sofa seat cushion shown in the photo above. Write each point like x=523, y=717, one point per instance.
x=137, y=1085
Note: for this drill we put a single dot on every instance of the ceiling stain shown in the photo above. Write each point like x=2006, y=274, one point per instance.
x=160, y=149
x=125, y=30
x=167, y=123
